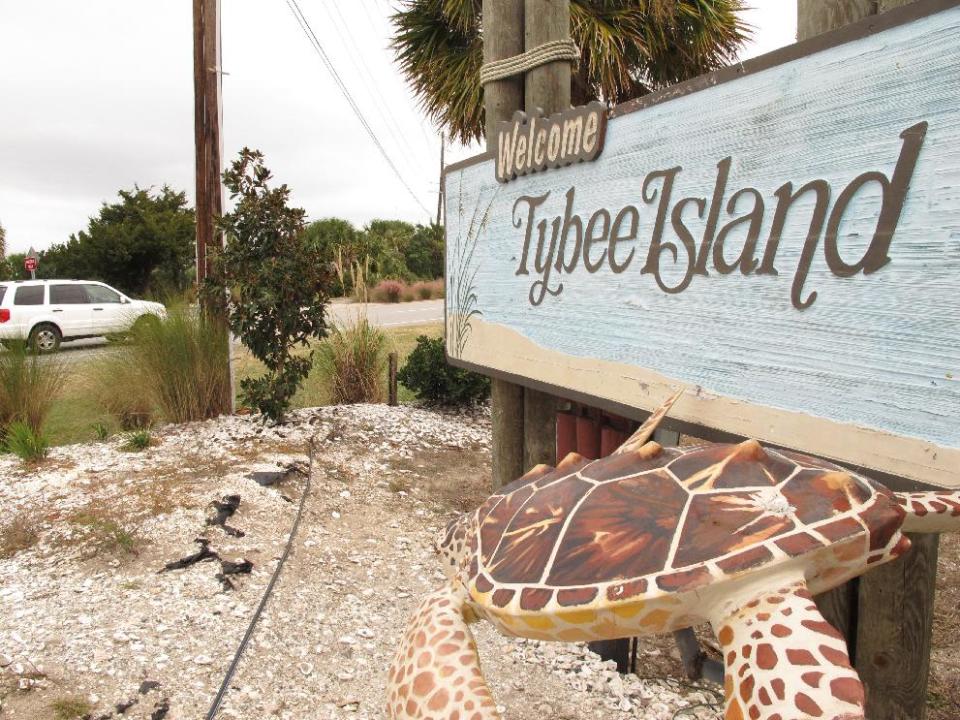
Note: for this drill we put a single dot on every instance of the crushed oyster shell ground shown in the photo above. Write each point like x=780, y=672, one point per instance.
x=86, y=616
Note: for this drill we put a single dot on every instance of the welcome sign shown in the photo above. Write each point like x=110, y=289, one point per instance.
x=782, y=238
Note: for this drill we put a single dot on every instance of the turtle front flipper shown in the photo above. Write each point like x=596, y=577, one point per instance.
x=436, y=671
x=783, y=661
x=932, y=511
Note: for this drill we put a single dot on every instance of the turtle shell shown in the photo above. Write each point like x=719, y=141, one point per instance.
x=662, y=522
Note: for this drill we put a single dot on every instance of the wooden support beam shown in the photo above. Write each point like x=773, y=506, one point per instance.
x=548, y=88
x=539, y=428
x=894, y=632
x=503, y=37
x=886, y=614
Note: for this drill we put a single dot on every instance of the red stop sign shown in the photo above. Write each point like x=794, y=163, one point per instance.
x=30, y=264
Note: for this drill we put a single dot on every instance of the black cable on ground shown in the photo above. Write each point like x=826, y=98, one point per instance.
x=266, y=594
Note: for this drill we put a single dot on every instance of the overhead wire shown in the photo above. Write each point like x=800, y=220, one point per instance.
x=355, y=56
x=318, y=48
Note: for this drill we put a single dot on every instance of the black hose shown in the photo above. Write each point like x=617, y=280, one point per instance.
x=266, y=595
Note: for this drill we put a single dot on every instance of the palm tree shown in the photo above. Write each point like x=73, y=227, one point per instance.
x=627, y=49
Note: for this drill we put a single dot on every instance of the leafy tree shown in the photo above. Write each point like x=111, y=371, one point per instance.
x=277, y=283
x=12, y=267
x=424, y=252
x=338, y=242
x=628, y=48
x=144, y=242
x=385, y=242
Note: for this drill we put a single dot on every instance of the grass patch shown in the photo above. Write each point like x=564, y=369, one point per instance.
x=70, y=708
x=352, y=361
x=138, y=440
x=18, y=535
x=31, y=446
x=29, y=386
x=108, y=535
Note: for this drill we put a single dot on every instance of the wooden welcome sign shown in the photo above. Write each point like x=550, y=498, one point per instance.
x=783, y=238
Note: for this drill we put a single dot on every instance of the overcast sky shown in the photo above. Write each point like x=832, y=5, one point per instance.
x=98, y=95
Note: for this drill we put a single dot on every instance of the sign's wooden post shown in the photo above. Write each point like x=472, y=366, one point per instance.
x=548, y=88
x=503, y=37
x=886, y=615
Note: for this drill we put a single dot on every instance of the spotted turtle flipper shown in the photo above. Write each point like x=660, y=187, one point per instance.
x=932, y=511
x=783, y=661
x=436, y=671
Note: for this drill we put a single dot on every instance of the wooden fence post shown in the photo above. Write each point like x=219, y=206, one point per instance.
x=392, y=379
x=503, y=37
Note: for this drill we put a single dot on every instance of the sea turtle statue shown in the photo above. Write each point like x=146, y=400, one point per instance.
x=654, y=539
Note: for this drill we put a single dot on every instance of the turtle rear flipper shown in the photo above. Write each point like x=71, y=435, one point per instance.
x=783, y=660
x=932, y=511
x=436, y=669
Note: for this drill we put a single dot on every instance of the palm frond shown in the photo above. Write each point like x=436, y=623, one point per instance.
x=628, y=48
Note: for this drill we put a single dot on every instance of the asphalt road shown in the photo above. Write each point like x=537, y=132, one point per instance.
x=420, y=312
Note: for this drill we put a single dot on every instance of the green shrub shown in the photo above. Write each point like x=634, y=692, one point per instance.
x=100, y=431
x=29, y=386
x=28, y=444
x=138, y=440
x=428, y=374
x=352, y=362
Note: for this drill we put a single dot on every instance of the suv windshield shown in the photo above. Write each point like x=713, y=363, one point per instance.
x=3, y=291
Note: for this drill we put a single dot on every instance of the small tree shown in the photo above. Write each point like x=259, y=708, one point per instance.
x=276, y=284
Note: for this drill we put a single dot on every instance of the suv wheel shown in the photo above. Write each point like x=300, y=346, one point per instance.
x=45, y=338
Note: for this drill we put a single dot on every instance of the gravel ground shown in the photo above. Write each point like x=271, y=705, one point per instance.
x=90, y=626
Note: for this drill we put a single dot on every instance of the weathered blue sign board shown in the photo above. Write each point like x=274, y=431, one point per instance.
x=785, y=242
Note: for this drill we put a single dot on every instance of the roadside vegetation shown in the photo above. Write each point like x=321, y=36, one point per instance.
x=353, y=362
x=106, y=395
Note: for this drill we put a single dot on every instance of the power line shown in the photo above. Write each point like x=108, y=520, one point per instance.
x=318, y=47
x=355, y=57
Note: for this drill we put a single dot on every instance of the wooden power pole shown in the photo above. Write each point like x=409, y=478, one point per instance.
x=502, y=38
x=208, y=144
x=206, y=84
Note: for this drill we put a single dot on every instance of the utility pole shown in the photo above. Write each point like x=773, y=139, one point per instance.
x=209, y=148
x=206, y=84
x=443, y=145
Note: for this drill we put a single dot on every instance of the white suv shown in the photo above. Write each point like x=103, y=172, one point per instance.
x=48, y=311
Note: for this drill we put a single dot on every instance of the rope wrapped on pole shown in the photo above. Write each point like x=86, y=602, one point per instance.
x=541, y=55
